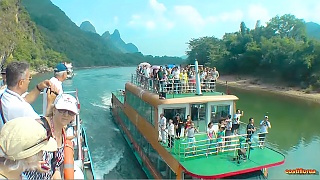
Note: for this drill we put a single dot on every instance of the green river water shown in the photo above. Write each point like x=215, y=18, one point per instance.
x=295, y=124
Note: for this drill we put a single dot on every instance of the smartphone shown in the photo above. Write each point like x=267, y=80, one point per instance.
x=45, y=166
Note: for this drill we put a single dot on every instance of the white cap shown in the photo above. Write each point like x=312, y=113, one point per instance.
x=266, y=117
x=67, y=102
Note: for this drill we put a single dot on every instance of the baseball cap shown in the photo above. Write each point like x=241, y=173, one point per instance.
x=60, y=67
x=67, y=102
x=266, y=117
x=24, y=137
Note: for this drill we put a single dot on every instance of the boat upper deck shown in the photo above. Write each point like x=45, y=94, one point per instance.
x=205, y=161
x=170, y=89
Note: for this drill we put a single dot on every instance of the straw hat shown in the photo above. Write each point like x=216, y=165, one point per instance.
x=24, y=137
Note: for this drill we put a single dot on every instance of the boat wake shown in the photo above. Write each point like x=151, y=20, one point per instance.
x=104, y=167
x=106, y=102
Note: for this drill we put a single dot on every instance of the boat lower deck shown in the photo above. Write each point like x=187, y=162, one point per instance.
x=222, y=164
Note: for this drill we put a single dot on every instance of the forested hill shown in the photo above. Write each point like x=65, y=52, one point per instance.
x=21, y=40
x=279, y=50
x=81, y=47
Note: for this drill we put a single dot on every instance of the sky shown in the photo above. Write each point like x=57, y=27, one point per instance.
x=164, y=27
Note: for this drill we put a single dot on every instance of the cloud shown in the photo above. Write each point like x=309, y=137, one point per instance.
x=156, y=6
x=258, y=12
x=116, y=19
x=307, y=11
x=152, y=20
x=190, y=15
x=150, y=25
x=233, y=16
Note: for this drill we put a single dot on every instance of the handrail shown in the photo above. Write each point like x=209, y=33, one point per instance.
x=232, y=144
x=172, y=86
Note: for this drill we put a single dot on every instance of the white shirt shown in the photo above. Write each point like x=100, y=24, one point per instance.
x=264, y=125
x=176, y=74
x=162, y=123
x=70, y=132
x=171, y=129
x=58, y=85
x=235, y=121
x=14, y=106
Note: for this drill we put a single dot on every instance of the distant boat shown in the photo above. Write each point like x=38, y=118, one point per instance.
x=70, y=70
x=136, y=111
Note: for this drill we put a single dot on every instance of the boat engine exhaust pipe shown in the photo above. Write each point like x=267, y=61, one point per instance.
x=198, y=84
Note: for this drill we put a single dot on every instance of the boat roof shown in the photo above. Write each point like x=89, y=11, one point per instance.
x=181, y=98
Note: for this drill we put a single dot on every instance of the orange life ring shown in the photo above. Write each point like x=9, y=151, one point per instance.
x=68, y=160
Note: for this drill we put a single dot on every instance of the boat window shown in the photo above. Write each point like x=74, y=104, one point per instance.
x=218, y=112
x=147, y=149
x=172, y=112
x=198, y=116
x=144, y=109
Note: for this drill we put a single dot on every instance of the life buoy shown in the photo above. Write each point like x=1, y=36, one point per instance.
x=68, y=160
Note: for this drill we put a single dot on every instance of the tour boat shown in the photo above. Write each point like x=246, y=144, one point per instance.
x=70, y=70
x=137, y=109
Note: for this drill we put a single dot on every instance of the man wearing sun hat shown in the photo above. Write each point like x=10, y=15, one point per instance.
x=20, y=139
x=264, y=125
x=60, y=75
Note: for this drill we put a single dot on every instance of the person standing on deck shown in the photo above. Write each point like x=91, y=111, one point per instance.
x=264, y=125
x=170, y=134
x=211, y=135
x=60, y=75
x=250, y=129
x=228, y=129
x=13, y=105
x=191, y=130
x=162, y=127
x=220, y=137
x=179, y=123
x=236, y=122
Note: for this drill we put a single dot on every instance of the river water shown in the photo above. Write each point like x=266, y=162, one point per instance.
x=295, y=124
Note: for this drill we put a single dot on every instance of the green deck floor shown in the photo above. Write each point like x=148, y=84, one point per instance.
x=214, y=165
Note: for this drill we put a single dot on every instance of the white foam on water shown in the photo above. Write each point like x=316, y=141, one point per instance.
x=106, y=99
x=101, y=166
x=100, y=106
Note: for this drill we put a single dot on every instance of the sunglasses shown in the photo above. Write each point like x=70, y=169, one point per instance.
x=63, y=111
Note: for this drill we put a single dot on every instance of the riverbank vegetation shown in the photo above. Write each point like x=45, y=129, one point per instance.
x=281, y=50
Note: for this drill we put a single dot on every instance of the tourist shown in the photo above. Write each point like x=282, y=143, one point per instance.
x=170, y=134
x=63, y=112
x=228, y=122
x=220, y=137
x=190, y=132
x=250, y=129
x=236, y=122
x=13, y=103
x=211, y=135
x=60, y=75
x=264, y=125
x=162, y=127
x=22, y=141
x=178, y=123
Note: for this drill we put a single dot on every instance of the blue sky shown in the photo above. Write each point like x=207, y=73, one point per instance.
x=164, y=27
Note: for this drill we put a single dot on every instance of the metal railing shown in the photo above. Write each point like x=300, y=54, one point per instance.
x=206, y=147
x=171, y=86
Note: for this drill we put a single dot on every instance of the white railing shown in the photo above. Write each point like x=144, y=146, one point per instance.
x=171, y=85
x=186, y=150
